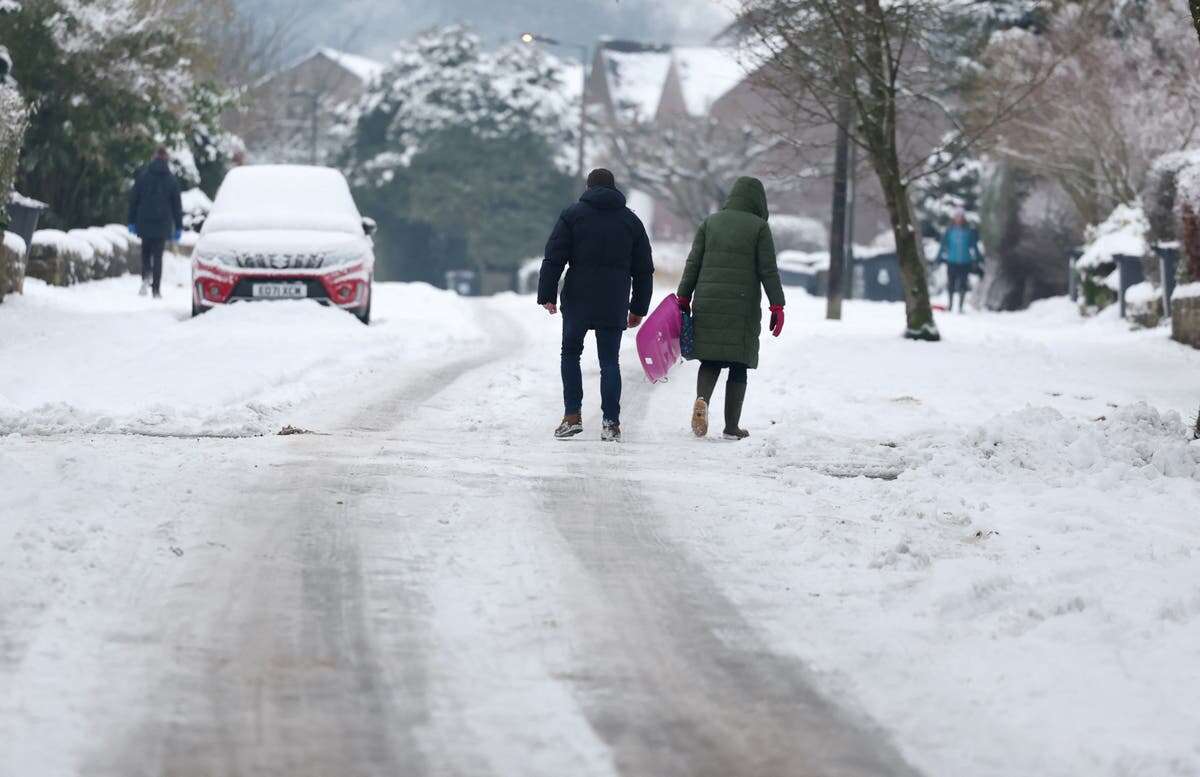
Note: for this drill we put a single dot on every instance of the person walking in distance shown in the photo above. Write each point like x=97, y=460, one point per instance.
x=606, y=248
x=960, y=252
x=156, y=216
x=731, y=262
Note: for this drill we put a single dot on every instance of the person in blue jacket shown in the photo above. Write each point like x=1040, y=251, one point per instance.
x=960, y=252
x=608, y=289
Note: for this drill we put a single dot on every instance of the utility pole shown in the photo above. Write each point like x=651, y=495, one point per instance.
x=838, y=226
x=851, y=208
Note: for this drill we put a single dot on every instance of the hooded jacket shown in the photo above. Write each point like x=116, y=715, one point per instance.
x=606, y=248
x=732, y=260
x=155, y=204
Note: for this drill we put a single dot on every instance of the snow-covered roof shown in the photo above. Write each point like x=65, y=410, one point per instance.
x=635, y=79
x=706, y=74
x=365, y=69
x=362, y=68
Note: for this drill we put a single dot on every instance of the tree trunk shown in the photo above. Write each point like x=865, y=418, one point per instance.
x=837, y=228
x=918, y=311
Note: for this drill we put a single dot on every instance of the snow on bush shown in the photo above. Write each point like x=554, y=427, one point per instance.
x=446, y=79
x=196, y=207
x=1123, y=233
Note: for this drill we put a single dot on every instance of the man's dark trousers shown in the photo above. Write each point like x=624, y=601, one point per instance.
x=608, y=348
x=152, y=261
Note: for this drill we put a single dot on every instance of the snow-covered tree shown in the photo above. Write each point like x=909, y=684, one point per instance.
x=107, y=80
x=14, y=118
x=952, y=180
x=471, y=144
x=1125, y=91
x=444, y=79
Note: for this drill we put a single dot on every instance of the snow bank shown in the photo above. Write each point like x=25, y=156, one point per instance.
x=1123, y=233
x=97, y=358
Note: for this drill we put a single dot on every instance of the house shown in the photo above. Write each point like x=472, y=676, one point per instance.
x=634, y=82
x=287, y=115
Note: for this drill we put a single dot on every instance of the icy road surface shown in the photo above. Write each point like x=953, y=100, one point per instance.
x=973, y=558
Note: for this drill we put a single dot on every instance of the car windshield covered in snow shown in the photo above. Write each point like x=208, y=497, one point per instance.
x=284, y=197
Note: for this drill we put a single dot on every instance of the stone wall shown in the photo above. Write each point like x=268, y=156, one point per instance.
x=1185, y=320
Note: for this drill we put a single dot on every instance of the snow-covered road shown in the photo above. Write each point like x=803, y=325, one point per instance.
x=972, y=558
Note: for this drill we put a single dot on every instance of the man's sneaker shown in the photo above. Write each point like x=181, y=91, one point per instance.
x=571, y=425
x=610, y=432
x=735, y=434
x=700, y=417
x=145, y=289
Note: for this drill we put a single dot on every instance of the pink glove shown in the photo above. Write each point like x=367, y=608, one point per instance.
x=685, y=304
x=776, y=320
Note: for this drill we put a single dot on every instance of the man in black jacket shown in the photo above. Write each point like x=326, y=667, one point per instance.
x=608, y=251
x=156, y=216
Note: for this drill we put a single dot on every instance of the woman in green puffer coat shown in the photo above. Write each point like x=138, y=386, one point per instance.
x=731, y=262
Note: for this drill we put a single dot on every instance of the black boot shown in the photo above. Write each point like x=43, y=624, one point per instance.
x=735, y=397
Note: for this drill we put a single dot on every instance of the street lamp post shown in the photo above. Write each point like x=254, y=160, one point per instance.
x=530, y=38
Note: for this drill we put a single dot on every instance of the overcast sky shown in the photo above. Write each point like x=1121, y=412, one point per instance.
x=374, y=27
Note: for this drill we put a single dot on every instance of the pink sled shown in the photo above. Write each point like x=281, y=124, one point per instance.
x=658, y=339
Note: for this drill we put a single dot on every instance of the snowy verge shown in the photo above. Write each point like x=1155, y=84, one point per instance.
x=99, y=359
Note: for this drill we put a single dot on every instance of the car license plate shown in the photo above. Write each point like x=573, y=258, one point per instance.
x=279, y=290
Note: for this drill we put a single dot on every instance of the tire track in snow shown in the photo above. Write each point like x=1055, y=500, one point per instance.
x=671, y=675
x=298, y=662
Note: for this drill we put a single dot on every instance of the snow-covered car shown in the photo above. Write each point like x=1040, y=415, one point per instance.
x=284, y=232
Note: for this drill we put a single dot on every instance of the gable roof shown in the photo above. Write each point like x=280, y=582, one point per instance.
x=706, y=74
x=635, y=77
x=363, y=68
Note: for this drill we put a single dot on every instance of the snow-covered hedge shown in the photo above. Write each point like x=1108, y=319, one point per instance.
x=799, y=233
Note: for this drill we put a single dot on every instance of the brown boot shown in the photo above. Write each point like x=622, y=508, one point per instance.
x=735, y=397
x=571, y=425
x=700, y=417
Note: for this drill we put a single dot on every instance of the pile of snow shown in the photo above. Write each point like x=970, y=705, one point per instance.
x=14, y=243
x=1133, y=444
x=1142, y=293
x=97, y=358
x=1123, y=233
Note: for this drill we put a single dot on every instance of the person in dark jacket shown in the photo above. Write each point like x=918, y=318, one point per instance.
x=156, y=216
x=960, y=252
x=606, y=247
x=731, y=262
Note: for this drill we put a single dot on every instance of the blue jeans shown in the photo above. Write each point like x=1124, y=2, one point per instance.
x=608, y=348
